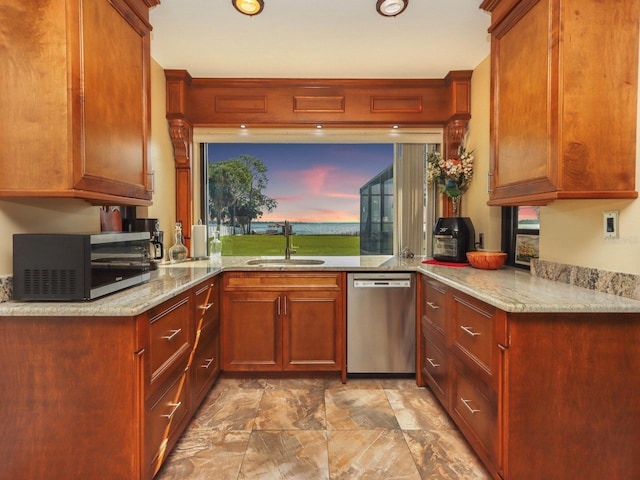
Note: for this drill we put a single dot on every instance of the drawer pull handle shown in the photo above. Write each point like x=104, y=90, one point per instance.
x=168, y=338
x=433, y=364
x=207, y=363
x=206, y=307
x=175, y=406
x=433, y=305
x=466, y=404
x=469, y=331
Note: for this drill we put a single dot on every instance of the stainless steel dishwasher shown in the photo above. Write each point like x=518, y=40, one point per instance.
x=381, y=323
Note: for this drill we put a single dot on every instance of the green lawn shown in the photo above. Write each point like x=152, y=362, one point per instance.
x=306, y=245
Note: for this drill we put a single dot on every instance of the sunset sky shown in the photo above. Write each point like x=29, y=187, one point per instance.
x=313, y=182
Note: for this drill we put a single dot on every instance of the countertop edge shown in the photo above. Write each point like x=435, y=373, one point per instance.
x=510, y=289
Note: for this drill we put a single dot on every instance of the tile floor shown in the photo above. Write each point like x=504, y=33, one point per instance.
x=314, y=429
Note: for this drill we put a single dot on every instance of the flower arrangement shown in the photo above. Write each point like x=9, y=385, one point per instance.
x=452, y=176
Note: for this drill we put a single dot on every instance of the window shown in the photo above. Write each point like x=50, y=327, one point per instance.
x=520, y=234
x=253, y=188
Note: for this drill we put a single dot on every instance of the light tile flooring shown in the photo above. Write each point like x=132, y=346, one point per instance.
x=314, y=429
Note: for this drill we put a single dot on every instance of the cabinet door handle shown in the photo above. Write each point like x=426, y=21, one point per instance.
x=285, y=305
x=175, y=406
x=433, y=363
x=433, y=305
x=278, y=305
x=466, y=404
x=469, y=331
x=168, y=338
x=208, y=362
x=206, y=307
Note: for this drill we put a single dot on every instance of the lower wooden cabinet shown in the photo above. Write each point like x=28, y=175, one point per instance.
x=105, y=397
x=280, y=322
x=537, y=395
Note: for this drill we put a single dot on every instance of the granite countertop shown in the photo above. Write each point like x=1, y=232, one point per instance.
x=509, y=289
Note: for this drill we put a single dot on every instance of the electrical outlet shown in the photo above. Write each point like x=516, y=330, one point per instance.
x=610, y=224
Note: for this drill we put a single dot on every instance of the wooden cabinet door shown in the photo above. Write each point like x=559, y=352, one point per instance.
x=251, y=331
x=521, y=105
x=114, y=116
x=312, y=330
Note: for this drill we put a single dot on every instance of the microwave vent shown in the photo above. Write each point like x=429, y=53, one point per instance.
x=46, y=283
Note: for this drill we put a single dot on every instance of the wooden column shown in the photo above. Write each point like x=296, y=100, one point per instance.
x=181, y=132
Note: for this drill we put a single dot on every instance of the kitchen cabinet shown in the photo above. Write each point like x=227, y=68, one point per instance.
x=206, y=364
x=76, y=101
x=170, y=342
x=434, y=359
x=283, y=322
x=535, y=394
x=564, y=100
x=105, y=396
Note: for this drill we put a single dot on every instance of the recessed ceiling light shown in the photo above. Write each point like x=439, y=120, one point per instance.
x=318, y=126
x=248, y=7
x=243, y=126
x=396, y=126
x=391, y=8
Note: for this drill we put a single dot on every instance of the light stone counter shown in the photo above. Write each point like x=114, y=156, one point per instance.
x=509, y=289
x=515, y=290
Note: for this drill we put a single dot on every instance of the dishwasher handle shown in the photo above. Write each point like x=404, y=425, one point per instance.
x=382, y=283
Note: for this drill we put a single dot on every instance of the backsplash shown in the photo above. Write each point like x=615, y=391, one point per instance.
x=621, y=284
x=6, y=289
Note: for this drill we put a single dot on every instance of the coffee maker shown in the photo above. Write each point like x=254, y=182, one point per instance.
x=453, y=237
x=151, y=225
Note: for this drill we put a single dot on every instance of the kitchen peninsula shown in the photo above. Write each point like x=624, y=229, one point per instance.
x=539, y=378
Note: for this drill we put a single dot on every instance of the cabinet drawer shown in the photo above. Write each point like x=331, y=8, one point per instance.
x=169, y=340
x=270, y=281
x=207, y=301
x=164, y=417
x=473, y=332
x=434, y=304
x=206, y=361
x=474, y=407
x=435, y=364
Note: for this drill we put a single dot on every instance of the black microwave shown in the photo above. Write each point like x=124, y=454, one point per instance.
x=65, y=267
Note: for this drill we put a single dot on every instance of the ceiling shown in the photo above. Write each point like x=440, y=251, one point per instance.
x=319, y=39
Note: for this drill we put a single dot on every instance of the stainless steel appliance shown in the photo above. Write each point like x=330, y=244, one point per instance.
x=453, y=237
x=78, y=266
x=381, y=323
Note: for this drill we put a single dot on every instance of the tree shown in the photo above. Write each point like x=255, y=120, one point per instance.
x=236, y=191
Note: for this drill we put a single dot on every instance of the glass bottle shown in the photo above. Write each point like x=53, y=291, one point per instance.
x=216, y=246
x=178, y=252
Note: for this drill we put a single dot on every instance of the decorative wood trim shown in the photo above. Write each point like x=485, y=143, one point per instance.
x=316, y=104
x=380, y=104
x=181, y=133
x=241, y=104
x=370, y=103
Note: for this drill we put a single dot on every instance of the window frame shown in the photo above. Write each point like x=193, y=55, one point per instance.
x=510, y=231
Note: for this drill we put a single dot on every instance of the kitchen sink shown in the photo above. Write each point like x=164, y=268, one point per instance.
x=284, y=261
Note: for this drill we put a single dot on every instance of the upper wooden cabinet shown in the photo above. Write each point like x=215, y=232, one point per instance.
x=564, y=100
x=75, y=103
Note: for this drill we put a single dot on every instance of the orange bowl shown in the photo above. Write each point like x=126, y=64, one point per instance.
x=486, y=260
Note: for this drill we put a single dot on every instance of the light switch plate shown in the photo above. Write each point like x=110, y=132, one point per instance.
x=610, y=224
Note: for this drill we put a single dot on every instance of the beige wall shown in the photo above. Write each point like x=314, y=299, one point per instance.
x=485, y=219
x=161, y=152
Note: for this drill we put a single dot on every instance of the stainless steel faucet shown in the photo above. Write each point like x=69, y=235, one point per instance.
x=287, y=233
